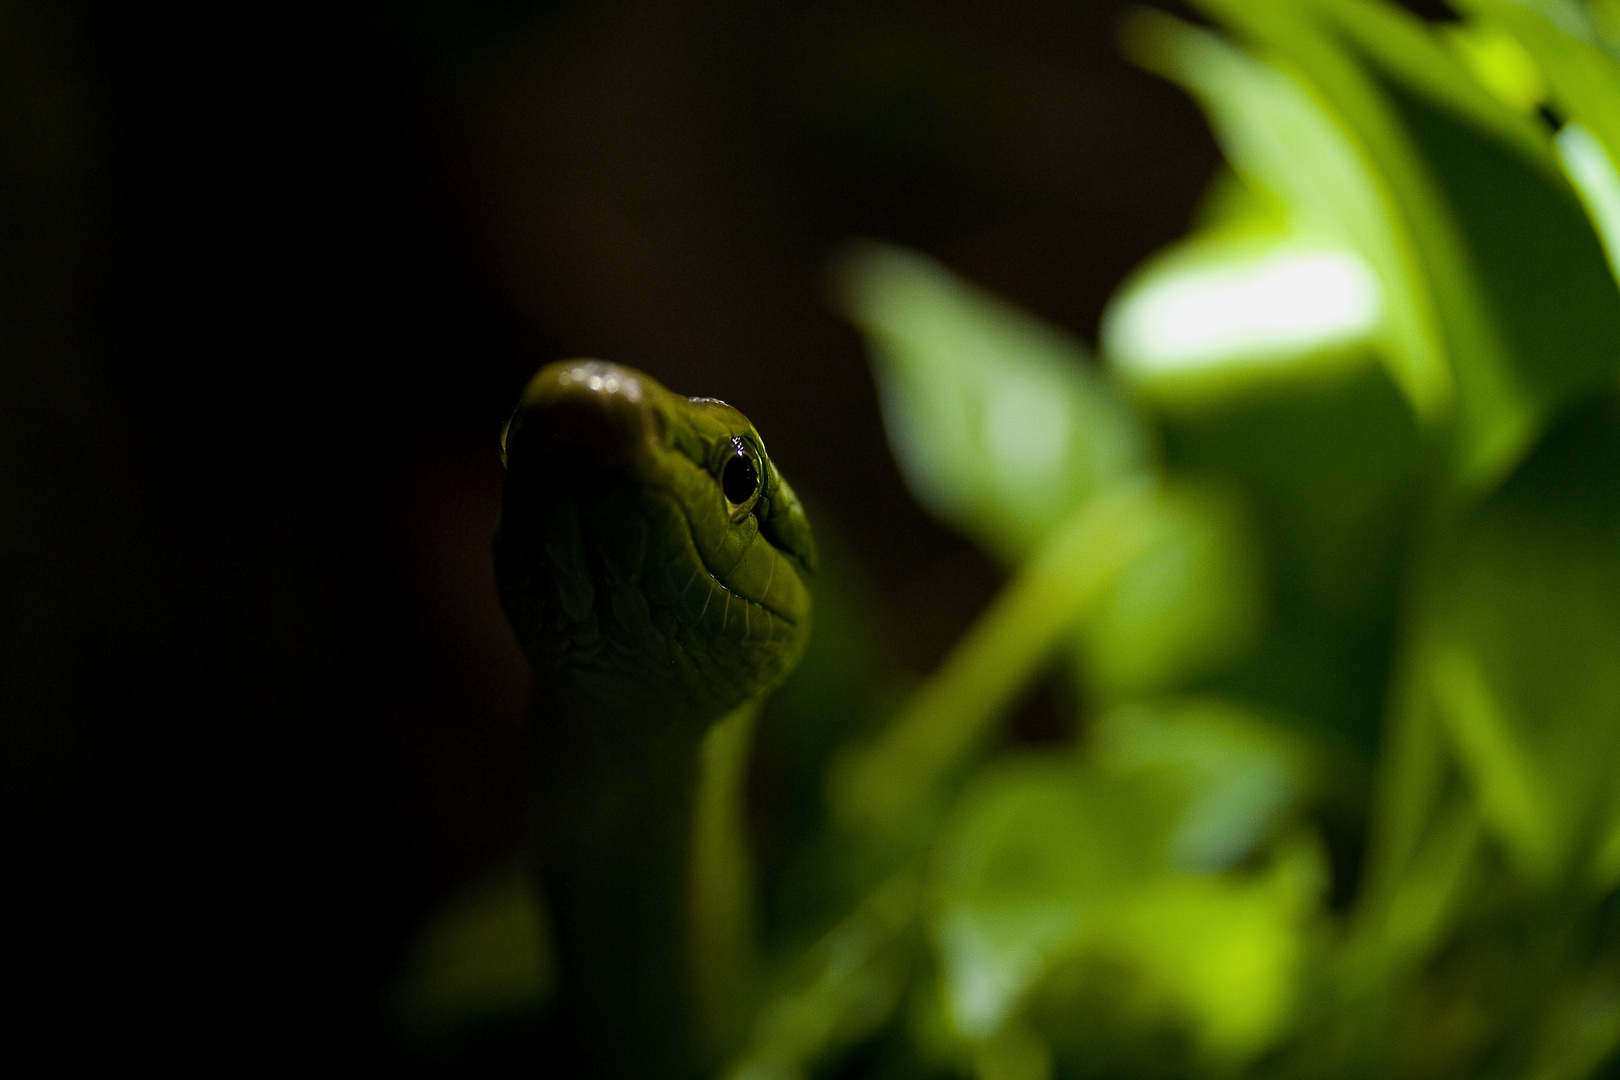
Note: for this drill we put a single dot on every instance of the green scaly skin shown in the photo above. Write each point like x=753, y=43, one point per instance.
x=656, y=614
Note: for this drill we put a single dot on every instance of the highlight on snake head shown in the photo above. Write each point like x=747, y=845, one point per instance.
x=649, y=553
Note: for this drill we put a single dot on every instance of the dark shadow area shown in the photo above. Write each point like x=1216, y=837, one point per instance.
x=271, y=279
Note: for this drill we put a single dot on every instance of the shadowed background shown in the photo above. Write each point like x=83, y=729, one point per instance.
x=271, y=279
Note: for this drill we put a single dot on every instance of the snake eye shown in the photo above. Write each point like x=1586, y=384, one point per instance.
x=739, y=478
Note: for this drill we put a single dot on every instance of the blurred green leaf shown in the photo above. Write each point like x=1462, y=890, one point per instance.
x=1016, y=1052
x=1572, y=18
x=1189, y=602
x=1330, y=464
x=1230, y=775
x=1225, y=954
x=1420, y=557
x=1525, y=676
x=1039, y=852
x=1513, y=796
x=1286, y=143
x=1537, y=259
x=1584, y=81
x=997, y=420
x=1239, y=305
x=1048, y=860
x=1230, y=203
x=1531, y=316
x=1500, y=64
x=1605, y=16
x=1495, y=418
x=1591, y=169
x=1396, y=45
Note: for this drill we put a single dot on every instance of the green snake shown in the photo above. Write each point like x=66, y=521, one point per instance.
x=654, y=565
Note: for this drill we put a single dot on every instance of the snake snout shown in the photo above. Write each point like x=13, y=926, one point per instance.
x=605, y=409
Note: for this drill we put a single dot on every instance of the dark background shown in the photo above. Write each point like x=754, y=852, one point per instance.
x=271, y=277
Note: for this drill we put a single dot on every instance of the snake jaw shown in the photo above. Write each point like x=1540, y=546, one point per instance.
x=762, y=601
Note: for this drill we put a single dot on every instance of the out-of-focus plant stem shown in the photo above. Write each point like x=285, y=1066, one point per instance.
x=950, y=716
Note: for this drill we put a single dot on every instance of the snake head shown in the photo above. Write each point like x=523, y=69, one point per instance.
x=650, y=557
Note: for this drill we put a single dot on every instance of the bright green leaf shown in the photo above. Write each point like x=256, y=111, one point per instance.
x=1232, y=775
x=1585, y=85
x=1284, y=142
x=996, y=418
x=1501, y=65
x=1038, y=855
x=1228, y=952
x=1483, y=202
x=1048, y=862
x=1398, y=46
x=1593, y=173
x=1537, y=264
x=1232, y=306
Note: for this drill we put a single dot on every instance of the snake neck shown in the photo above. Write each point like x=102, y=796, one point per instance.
x=643, y=855
x=653, y=565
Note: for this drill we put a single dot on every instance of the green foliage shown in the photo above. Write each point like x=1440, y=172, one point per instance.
x=1332, y=535
x=1325, y=549
x=997, y=419
x=1116, y=855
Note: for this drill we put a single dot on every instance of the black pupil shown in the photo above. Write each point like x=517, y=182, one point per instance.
x=739, y=479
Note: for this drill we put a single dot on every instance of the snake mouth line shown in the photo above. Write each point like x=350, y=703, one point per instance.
x=691, y=543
